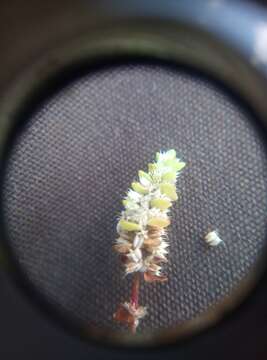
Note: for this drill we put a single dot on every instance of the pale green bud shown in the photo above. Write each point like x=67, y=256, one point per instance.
x=139, y=188
x=159, y=222
x=129, y=226
x=162, y=204
x=170, y=176
x=175, y=164
x=169, y=190
x=171, y=154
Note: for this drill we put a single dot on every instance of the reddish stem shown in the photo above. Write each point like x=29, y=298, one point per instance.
x=135, y=290
x=135, y=295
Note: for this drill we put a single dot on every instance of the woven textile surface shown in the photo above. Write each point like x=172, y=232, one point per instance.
x=76, y=158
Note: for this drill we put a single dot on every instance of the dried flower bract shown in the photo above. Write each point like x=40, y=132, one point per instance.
x=212, y=238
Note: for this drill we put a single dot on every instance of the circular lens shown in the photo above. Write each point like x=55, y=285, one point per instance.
x=75, y=158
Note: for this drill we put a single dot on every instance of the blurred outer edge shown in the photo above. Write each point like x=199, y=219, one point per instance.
x=30, y=29
x=78, y=18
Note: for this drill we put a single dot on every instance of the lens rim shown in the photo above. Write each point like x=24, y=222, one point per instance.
x=170, y=42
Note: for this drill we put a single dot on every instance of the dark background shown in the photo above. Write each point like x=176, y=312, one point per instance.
x=25, y=332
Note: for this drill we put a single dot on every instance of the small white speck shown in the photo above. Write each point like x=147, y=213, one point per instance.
x=212, y=238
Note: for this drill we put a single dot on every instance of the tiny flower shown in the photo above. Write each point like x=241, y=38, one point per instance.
x=145, y=178
x=168, y=155
x=130, y=204
x=134, y=196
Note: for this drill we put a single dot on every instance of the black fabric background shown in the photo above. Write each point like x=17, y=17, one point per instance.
x=78, y=155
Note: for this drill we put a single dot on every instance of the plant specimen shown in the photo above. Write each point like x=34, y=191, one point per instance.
x=142, y=243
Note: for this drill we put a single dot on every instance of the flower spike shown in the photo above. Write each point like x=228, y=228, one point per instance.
x=142, y=229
